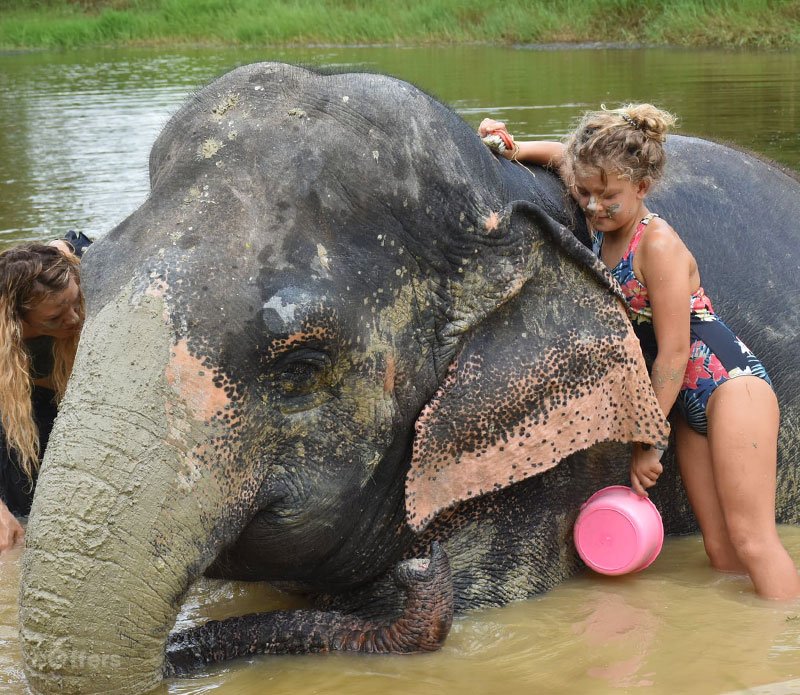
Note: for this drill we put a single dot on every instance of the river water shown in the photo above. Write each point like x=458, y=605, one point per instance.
x=75, y=131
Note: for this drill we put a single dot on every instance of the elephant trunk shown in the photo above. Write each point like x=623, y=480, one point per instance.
x=423, y=626
x=117, y=528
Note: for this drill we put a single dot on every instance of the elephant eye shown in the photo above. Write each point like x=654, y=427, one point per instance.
x=302, y=372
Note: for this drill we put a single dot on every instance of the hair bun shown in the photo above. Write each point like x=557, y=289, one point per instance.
x=650, y=120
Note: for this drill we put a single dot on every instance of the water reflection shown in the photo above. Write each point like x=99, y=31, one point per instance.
x=76, y=128
x=615, y=623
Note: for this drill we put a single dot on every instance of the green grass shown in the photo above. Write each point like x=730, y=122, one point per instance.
x=79, y=23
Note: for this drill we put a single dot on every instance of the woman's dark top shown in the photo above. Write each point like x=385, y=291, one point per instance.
x=16, y=490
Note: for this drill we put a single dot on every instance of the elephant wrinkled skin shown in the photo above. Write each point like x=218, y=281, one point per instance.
x=340, y=333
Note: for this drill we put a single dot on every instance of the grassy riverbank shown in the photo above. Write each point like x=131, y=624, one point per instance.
x=79, y=23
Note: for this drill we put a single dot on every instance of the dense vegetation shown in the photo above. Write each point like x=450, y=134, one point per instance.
x=76, y=23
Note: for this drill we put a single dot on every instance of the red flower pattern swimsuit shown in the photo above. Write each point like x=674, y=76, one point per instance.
x=715, y=355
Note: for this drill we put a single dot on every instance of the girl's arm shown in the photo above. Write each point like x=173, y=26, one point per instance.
x=544, y=152
x=665, y=265
x=665, y=268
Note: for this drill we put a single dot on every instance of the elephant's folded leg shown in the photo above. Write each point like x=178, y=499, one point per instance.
x=423, y=625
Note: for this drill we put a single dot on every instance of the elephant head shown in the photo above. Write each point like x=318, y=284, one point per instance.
x=329, y=321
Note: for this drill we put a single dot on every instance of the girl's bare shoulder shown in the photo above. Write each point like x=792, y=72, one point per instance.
x=663, y=249
x=661, y=237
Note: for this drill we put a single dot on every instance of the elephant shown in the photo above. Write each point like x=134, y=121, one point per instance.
x=344, y=348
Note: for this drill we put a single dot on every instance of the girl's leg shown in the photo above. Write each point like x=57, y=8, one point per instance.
x=743, y=420
x=694, y=461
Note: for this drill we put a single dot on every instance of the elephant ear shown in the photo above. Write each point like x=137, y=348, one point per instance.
x=555, y=369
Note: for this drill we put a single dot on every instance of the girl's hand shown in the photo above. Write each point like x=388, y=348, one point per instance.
x=489, y=125
x=11, y=531
x=645, y=468
x=497, y=138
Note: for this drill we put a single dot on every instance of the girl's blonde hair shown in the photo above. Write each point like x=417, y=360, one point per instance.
x=29, y=273
x=628, y=140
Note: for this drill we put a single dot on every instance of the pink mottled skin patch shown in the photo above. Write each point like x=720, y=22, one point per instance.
x=194, y=383
x=492, y=222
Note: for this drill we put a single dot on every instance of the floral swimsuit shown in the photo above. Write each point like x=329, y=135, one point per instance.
x=715, y=355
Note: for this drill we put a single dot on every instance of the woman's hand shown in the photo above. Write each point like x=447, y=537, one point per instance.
x=11, y=531
x=645, y=468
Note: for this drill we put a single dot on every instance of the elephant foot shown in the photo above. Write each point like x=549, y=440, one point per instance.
x=423, y=625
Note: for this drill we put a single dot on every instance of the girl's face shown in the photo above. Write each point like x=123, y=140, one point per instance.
x=57, y=315
x=609, y=204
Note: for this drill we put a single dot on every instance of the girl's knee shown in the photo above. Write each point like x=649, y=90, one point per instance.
x=722, y=556
x=753, y=545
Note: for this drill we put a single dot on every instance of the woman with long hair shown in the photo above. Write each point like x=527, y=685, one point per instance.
x=41, y=315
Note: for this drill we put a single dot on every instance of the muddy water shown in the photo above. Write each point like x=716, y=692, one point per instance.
x=677, y=627
x=75, y=130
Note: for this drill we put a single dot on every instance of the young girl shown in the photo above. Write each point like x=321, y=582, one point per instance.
x=726, y=415
x=41, y=314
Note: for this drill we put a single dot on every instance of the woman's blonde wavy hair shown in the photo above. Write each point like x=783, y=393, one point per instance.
x=629, y=140
x=29, y=273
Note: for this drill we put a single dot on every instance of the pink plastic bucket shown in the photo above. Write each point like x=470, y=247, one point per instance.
x=618, y=532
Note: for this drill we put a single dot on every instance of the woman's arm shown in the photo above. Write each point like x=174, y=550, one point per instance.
x=544, y=152
x=11, y=531
x=664, y=266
